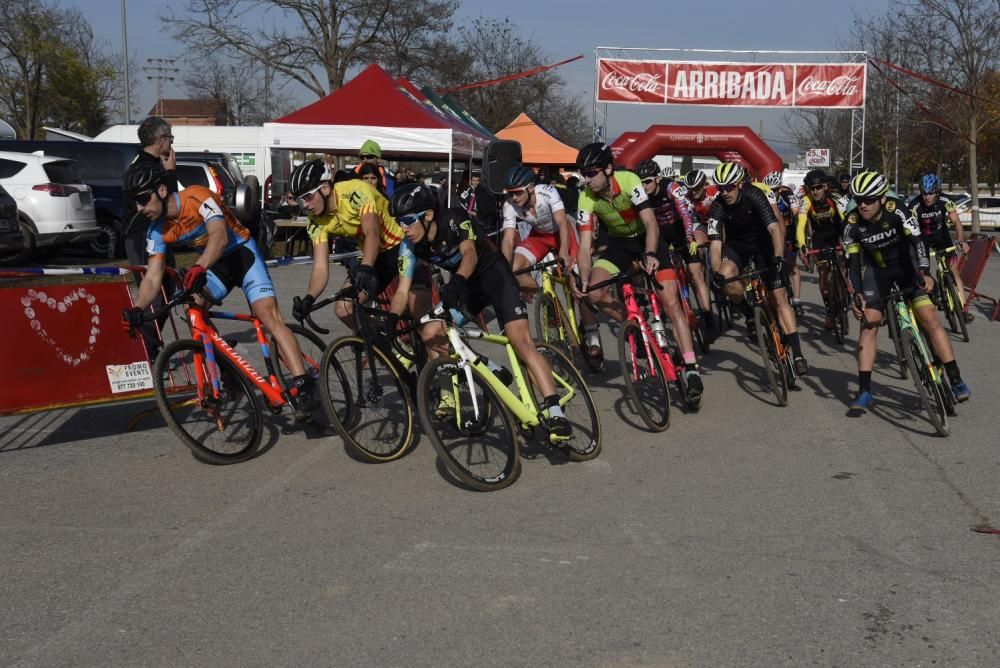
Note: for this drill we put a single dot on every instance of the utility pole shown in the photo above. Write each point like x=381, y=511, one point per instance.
x=160, y=70
x=128, y=95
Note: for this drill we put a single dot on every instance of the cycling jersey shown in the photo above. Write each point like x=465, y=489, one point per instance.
x=620, y=217
x=355, y=198
x=700, y=208
x=197, y=205
x=541, y=218
x=934, y=222
x=826, y=221
x=890, y=242
x=672, y=211
x=766, y=189
x=746, y=223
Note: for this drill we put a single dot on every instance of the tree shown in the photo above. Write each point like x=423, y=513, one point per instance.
x=313, y=42
x=243, y=97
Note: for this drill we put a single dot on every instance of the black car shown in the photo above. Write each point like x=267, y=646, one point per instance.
x=101, y=165
x=11, y=239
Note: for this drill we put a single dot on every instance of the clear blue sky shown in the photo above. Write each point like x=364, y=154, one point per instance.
x=565, y=29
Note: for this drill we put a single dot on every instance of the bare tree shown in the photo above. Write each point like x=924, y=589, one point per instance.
x=242, y=96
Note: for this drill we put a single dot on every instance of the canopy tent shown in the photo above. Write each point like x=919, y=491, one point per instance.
x=374, y=106
x=538, y=146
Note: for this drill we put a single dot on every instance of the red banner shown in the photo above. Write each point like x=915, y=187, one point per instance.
x=631, y=81
x=64, y=346
x=731, y=84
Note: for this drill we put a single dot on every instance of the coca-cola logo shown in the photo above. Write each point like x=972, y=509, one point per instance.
x=641, y=82
x=842, y=85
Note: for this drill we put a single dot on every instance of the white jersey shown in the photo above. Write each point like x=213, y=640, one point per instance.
x=542, y=219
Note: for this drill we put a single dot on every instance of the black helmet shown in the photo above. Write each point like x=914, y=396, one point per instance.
x=594, y=154
x=518, y=176
x=412, y=198
x=843, y=176
x=815, y=177
x=308, y=176
x=694, y=179
x=647, y=168
x=143, y=177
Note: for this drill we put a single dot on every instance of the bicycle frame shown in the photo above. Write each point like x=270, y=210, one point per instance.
x=757, y=292
x=549, y=281
x=634, y=312
x=907, y=321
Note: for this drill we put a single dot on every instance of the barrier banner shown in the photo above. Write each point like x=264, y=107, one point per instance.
x=64, y=346
x=839, y=85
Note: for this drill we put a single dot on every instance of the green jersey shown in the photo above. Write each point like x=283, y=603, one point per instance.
x=620, y=216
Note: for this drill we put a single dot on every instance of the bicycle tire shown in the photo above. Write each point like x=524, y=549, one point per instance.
x=652, y=398
x=928, y=390
x=774, y=368
x=474, y=450
x=892, y=324
x=550, y=324
x=581, y=411
x=833, y=294
x=375, y=420
x=956, y=308
x=950, y=404
x=312, y=347
x=843, y=306
x=175, y=382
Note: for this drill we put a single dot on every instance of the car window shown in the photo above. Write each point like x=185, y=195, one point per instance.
x=192, y=175
x=61, y=172
x=9, y=168
x=990, y=202
x=100, y=164
x=234, y=168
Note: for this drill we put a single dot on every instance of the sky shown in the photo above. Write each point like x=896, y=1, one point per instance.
x=566, y=29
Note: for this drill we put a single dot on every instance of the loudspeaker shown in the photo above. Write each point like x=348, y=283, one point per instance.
x=501, y=155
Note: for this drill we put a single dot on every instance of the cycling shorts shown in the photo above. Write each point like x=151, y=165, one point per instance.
x=939, y=241
x=244, y=267
x=878, y=281
x=825, y=237
x=742, y=255
x=386, y=268
x=496, y=286
x=621, y=251
x=537, y=245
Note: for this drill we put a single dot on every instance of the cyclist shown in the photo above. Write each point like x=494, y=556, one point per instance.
x=228, y=257
x=884, y=248
x=351, y=209
x=751, y=232
x=479, y=277
x=677, y=231
x=933, y=213
x=788, y=210
x=819, y=211
x=617, y=201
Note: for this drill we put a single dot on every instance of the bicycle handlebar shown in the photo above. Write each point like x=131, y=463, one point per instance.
x=538, y=266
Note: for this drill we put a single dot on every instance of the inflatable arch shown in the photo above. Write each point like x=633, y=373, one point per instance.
x=727, y=143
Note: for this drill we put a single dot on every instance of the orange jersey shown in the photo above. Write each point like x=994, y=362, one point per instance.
x=197, y=207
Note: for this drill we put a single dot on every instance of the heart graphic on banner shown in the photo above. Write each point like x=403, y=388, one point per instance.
x=35, y=297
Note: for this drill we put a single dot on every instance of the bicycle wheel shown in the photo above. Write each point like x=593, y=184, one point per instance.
x=550, y=322
x=223, y=430
x=955, y=308
x=843, y=308
x=836, y=305
x=580, y=410
x=312, y=347
x=468, y=426
x=367, y=400
x=774, y=367
x=892, y=323
x=645, y=382
x=927, y=388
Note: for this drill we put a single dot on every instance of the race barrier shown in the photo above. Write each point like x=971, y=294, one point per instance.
x=971, y=268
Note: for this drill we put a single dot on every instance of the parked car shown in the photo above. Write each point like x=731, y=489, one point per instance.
x=240, y=193
x=989, y=213
x=101, y=165
x=11, y=239
x=54, y=206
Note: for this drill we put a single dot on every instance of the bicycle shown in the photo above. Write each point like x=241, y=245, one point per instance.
x=204, y=388
x=555, y=323
x=474, y=420
x=649, y=361
x=946, y=295
x=836, y=288
x=774, y=351
x=695, y=315
x=929, y=379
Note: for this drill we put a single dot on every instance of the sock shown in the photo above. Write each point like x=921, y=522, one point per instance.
x=793, y=341
x=865, y=381
x=592, y=334
x=795, y=301
x=689, y=358
x=552, y=406
x=951, y=368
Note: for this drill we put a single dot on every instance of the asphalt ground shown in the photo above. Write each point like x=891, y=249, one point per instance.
x=746, y=534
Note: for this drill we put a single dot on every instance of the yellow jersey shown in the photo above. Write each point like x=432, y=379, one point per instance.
x=355, y=198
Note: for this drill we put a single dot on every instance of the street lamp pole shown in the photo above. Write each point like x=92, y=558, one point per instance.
x=128, y=111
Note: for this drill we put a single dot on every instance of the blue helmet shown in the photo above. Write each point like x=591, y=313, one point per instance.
x=518, y=176
x=930, y=183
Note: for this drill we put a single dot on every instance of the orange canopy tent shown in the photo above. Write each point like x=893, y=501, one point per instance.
x=538, y=147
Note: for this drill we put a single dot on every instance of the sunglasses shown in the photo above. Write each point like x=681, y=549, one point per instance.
x=649, y=180
x=516, y=191
x=170, y=137
x=307, y=196
x=411, y=219
x=142, y=199
x=867, y=201
x=821, y=186
x=590, y=173
x=727, y=189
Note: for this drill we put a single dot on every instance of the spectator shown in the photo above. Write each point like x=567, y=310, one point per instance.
x=369, y=173
x=371, y=153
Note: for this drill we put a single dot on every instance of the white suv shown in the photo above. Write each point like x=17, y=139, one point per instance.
x=54, y=206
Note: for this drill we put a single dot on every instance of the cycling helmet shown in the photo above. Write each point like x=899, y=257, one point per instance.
x=815, y=177
x=143, y=177
x=412, y=198
x=518, y=176
x=594, y=154
x=308, y=176
x=647, y=168
x=843, y=176
x=930, y=183
x=869, y=184
x=668, y=172
x=773, y=180
x=729, y=174
x=694, y=179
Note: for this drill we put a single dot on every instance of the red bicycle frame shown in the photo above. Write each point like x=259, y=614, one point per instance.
x=634, y=312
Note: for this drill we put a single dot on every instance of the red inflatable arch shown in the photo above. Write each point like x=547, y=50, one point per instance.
x=727, y=143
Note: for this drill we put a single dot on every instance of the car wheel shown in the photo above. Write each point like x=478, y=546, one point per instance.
x=19, y=257
x=108, y=244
